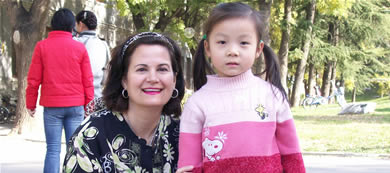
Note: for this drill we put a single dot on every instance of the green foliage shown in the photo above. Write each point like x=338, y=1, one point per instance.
x=336, y=8
x=364, y=33
x=295, y=54
x=123, y=7
x=175, y=15
x=382, y=83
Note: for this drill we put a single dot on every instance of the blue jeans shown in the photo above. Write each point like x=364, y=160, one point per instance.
x=54, y=119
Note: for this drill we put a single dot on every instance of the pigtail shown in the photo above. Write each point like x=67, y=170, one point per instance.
x=201, y=67
x=272, y=70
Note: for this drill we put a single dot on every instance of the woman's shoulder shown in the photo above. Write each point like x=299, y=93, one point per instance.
x=171, y=120
x=101, y=117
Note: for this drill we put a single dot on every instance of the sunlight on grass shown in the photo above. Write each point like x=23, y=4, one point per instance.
x=322, y=130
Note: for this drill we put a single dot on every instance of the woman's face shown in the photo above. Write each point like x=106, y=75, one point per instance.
x=78, y=26
x=150, y=79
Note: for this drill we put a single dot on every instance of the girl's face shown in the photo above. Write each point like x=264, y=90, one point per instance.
x=150, y=79
x=233, y=46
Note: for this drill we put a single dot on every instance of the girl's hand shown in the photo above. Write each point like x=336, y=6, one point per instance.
x=185, y=169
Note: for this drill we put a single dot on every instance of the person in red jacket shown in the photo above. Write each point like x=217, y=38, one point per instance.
x=61, y=67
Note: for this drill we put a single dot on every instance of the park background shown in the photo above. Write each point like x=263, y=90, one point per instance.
x=317, y=41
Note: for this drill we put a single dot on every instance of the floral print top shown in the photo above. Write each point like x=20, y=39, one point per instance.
x=105, y=143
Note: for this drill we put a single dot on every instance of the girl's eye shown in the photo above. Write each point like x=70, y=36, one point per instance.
x=221, y=42
x=244, y=43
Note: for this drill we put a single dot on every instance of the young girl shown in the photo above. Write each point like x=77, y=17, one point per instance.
x=235, y=121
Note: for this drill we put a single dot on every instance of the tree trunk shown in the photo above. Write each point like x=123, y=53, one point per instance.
x=283, y=51
x=299, y=74
x=138, y=20
x=265, y=11
x=330, y=67
x=333, y=79
x=354, y=94
x=312, y=80
x=325, y=88
x=164, y=19
x=29, y=27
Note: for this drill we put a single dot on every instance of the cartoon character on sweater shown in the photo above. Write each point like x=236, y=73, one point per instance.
x=212, y=147
x=260, y=109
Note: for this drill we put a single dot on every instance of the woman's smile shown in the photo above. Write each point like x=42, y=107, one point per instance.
x=152, y=91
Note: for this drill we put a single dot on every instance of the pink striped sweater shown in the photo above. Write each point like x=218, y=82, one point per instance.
x=237, y=124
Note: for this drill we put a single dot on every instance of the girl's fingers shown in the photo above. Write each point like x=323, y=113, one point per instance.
x=185, y=169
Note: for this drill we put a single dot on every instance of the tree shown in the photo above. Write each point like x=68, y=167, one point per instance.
x=265, y=12
x=29, y=25
x=170, y=17
x=366, y=35
x=283, y=51
x=299, y=74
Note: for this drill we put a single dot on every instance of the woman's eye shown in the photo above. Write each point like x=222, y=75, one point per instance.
x=141, y=69
x=163, y=69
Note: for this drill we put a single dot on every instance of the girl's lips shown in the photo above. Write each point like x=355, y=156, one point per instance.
x=232, y=64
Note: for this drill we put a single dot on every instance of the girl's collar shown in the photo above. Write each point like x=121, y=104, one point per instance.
x=242, y=80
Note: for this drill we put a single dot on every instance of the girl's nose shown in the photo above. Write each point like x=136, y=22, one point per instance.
x=232, y=51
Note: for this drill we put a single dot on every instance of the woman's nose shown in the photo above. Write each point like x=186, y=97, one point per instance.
x=152, y=77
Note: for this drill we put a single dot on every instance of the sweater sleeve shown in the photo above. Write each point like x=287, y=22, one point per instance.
x=287, y=140
x=190, y=140
x=87, y=78
x=34, y=78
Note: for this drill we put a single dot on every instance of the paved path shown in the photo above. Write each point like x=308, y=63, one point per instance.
x=335, y=164
x=20, y=154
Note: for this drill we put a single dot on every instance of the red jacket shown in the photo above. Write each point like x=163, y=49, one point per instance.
x=60, y=65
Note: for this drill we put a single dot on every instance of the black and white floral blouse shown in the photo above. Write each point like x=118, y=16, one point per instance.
x=105, y=143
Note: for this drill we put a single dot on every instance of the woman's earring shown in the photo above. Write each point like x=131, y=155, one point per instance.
x=125, y=94
x=175, y=94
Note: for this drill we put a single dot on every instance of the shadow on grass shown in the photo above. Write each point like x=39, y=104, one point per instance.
x=387, y=147
x=383, y=110
x=344, y=119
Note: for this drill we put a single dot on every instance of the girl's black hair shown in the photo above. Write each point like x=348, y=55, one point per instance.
x=231, y=10
x=88, y=18
x=63, y=20
x=119, y=66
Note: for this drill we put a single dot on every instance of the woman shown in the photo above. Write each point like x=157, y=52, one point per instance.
x=66, y=84
x=138, y=130
x=98, y=51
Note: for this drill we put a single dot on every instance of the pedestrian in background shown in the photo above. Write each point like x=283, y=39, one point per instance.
x=98, y=50
x=61, y=67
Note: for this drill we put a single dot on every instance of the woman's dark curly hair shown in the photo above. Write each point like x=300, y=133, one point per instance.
x=88, y=18
x=119, y=65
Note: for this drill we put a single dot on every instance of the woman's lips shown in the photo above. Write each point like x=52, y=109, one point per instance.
x=152, y=91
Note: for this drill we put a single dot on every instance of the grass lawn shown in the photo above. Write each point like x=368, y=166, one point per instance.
x=322, y=130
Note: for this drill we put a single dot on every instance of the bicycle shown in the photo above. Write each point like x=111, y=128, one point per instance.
x=7, y=109
x=315, y=101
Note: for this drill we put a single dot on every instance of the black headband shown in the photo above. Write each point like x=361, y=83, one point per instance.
x=143, y=35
